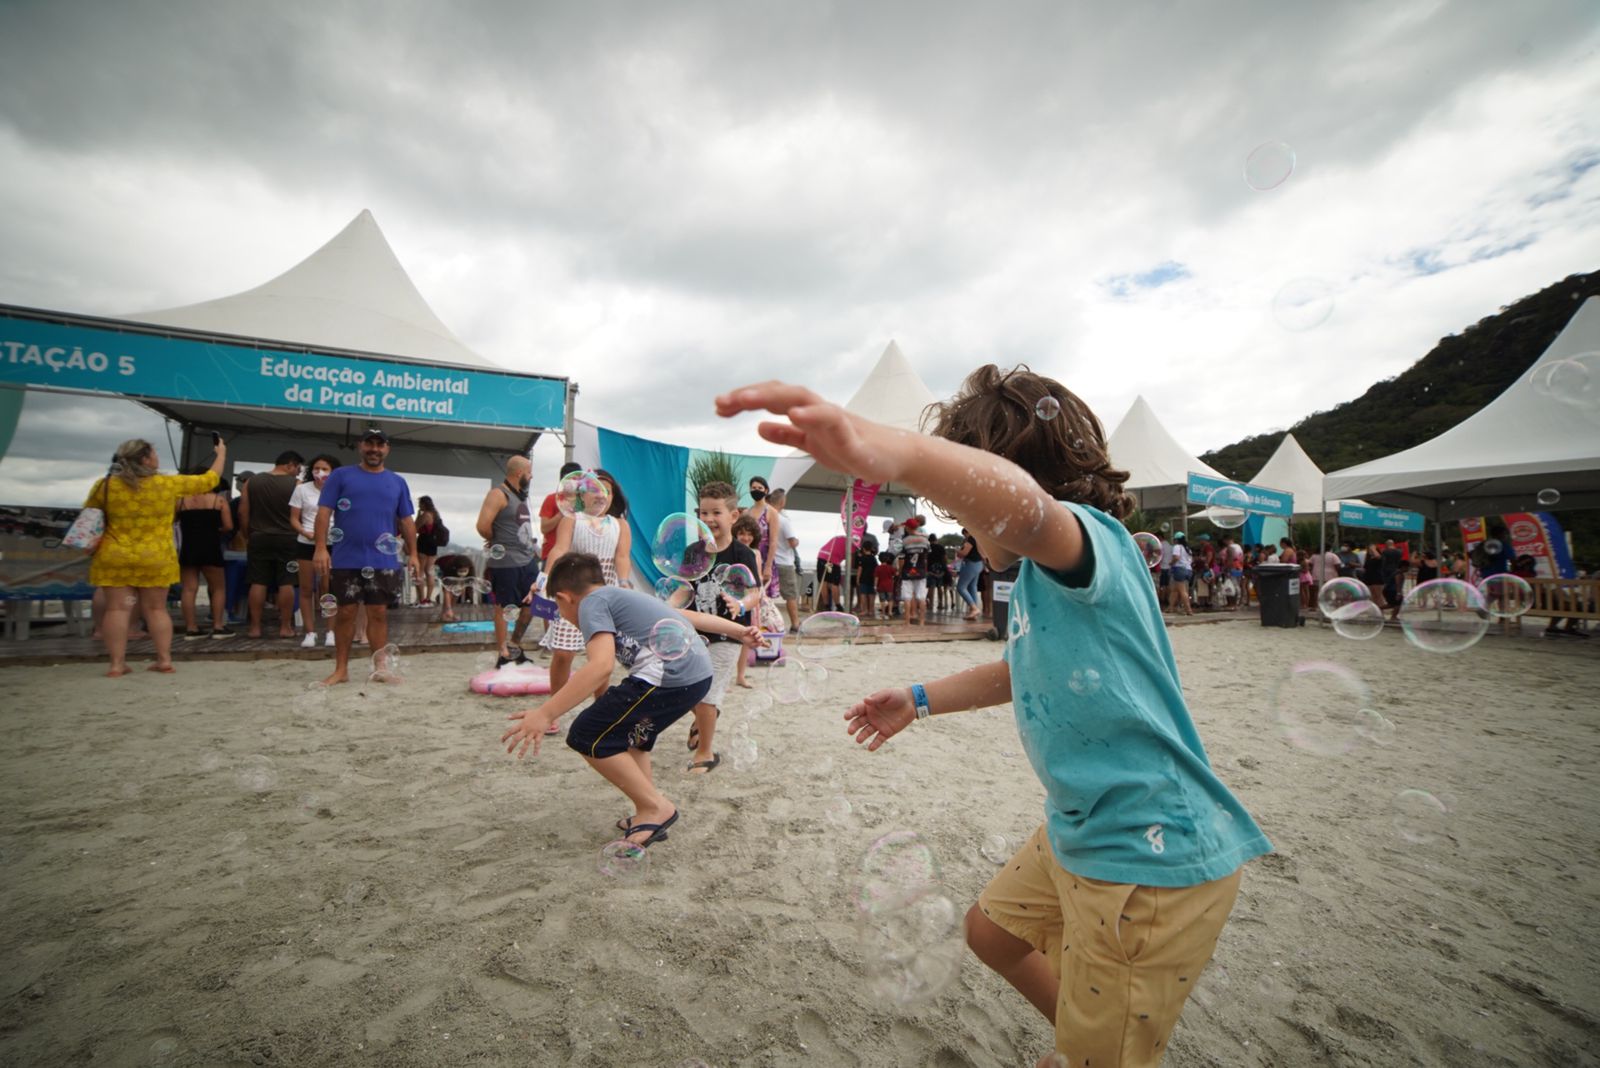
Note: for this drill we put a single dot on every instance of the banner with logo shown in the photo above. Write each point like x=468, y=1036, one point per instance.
x=1262, y=501
x=1368, y=518
x=1539, y=535
x=1473, y=532
x=855, y=508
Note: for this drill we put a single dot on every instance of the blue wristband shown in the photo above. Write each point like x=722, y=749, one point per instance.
x=919, y=699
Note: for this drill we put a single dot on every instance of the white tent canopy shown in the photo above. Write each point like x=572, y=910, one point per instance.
x=352, y=293
x=1158, y=467
x=1292, y=471
x=892, y=394
x=1523, y=442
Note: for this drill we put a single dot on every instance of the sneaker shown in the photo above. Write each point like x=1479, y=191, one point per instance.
x=502, y=661
x=521, y=658
x=309, y=641
x=329, y=642
x=218, y=635
x=191, y=635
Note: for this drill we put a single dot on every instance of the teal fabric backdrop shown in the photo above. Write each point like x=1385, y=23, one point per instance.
x=654, y=476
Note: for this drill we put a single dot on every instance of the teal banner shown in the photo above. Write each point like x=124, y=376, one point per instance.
x=129, y=363
x=1263, y=501
x=1367, y=518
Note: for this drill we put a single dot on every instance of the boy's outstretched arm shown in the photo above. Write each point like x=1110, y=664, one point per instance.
x=882, y=715
x=996, y=500
x=710, y=624
x=532, y=722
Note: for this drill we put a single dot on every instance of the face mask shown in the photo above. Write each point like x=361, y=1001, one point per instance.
x=320, y=476
x=756, y=495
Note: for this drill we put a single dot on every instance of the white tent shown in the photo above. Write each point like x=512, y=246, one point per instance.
x=1292, y=471
x=1158, y=467
x=1520, y=444
x=352, y=293
x=892, y=394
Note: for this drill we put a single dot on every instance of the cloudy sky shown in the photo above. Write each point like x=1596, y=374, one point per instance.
x=661, y=200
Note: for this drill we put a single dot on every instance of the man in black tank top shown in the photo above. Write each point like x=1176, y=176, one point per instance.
x=271, y=540
x=503, y=523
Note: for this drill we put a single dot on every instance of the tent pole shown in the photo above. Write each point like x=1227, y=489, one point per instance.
x=571, y=422
x=849, y=557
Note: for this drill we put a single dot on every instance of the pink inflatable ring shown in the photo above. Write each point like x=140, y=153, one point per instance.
x=513, y=680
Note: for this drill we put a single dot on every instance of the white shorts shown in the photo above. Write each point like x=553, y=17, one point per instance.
x=724, y=663
x=913, y=589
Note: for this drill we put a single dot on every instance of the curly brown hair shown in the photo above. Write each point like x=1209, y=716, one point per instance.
x=998, y=411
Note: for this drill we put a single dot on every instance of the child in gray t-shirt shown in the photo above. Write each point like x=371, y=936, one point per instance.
x=670, y=673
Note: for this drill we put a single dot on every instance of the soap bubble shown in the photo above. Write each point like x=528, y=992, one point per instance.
x=1047, y=408
x=1228, y=507
x=1150, y=547
x=624, y=861
x=335, y=535
x=996, y=849
x=495, y=552
x=813, y=682
x=671, y=639
x=1574, y=381
x=1358, y=620
x=367, y=572
x=328, y=605
x=683, y=547
x=757, y=702
x=912, y=946
x=785, y=681
x=897, y=865
x=386, y=665
x=511, y=612
x=837, y=810
x=667, y=587
x=1303, y=303
x=826, y=634
x=583, y=493
x=1419, y=817
x=1268, y=165
x=1337, y=593
x=1374, y=727
x=1084, y=681
x=344, y=504
x=388, y=544
x=293, y=567
x=1549, y=497
x=257, y=775
x=738, y=581
x=1319, y=707
x=1506, y=596
x=743, y=752
x=1444, y=616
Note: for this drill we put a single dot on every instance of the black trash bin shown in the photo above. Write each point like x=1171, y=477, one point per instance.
x=1000, y=597
x=1278, y=587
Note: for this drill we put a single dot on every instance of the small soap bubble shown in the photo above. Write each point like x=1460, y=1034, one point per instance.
x=1320, y=706
x=1420, y=818
x=784, y=680
x=1548, y=497
x=1303, y=303
x=1374, y=727
x=495, y=552
x=511, y=612
x=813, y=682
x=1444, y=616
x=583, y=493
x=1149, y=547
x=737, y=581
x=367, y=572
x=743, y=752
x=335, y=535
x=1337, y=593
x=671, y=639
x=667, y=587
x=1268, y=165
x=1358, y=620
x=1228, y=507
x=1506, y=596
x=386, y=665
x=826, y=634
x=257, y=775
x=837, y=810
x=344, y=504
x=624, y=861
x=327, y=606
x=293, y=567
x=389, y=545
x=1047, y=408
x=912, y=946
x=683, y=547
x=1084, y=681
x=1492, y=546
x=897, y=865
x=995, y=849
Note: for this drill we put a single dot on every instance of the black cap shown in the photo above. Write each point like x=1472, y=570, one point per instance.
x=374, y=432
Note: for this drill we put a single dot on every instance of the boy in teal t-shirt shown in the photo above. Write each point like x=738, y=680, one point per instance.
x=1105, y=917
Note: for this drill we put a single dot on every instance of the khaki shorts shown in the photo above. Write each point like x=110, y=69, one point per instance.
x=788, y=583
x=724, y=665
x=1127, y=956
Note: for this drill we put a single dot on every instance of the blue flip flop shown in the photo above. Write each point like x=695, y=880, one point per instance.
x=658, y=831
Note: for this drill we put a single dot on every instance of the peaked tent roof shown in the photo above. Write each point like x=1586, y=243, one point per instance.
x=1158, y=467
x=1499, y=460
x=352, y=293
x=893, y=394
x=1292, y=471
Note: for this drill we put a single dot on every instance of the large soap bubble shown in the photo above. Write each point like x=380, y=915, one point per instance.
x=1322, y=707
x=1228, y=507
x=912, y=945
x=1444, y=616
x=583, y=493
x=683, y=547
x=1337, y=593
x=1149, y=547
x=1268, y=166
x=1506, y=596
x=826, y=634
x=671, y=639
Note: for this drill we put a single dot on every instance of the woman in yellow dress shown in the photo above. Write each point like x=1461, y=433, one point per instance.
x=137, y=559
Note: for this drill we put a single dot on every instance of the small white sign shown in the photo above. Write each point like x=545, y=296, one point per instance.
x=1002, y=591
x=1294, y=587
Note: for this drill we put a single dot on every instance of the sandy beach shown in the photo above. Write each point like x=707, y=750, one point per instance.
x=216, y=868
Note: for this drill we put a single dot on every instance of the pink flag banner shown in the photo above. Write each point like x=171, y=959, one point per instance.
x=855, y=508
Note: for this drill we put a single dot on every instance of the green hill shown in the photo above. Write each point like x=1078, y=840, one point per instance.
x=1461, y=374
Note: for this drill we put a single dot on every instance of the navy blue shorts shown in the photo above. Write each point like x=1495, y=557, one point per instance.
x=630, y=715
x=511, y=584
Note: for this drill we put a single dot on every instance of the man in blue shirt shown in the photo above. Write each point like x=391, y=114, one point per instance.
x=360, y=509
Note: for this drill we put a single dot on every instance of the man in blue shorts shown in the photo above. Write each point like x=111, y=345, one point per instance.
x=360, y=509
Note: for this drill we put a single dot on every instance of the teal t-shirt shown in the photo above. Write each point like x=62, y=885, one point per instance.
x=1129, y=794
